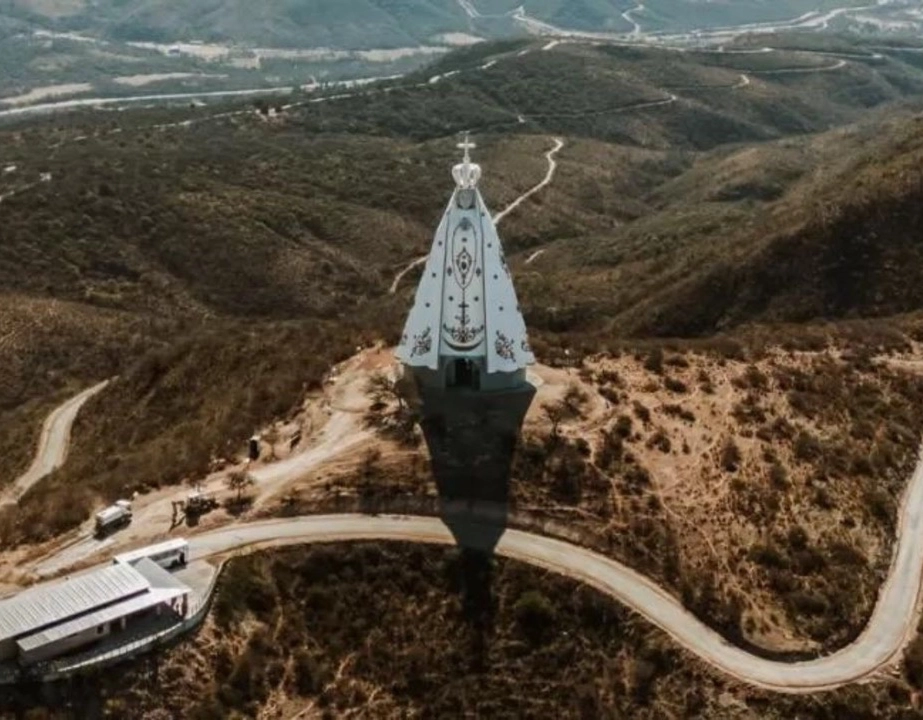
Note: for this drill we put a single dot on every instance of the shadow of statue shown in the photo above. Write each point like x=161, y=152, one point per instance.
x=472, y=438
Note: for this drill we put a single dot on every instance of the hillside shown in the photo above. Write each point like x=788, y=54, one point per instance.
x=792, y=231
x=381, y=23
x=190, y=234
x=386, y=631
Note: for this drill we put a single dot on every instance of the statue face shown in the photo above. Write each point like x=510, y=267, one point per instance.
x=465, y=199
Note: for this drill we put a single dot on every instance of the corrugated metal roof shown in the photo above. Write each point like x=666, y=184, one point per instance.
x=158, y=578
x=44, y=605
x=95, y=619
x=168, y=546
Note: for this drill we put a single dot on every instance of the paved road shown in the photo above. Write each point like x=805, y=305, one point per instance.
x=892, y=625
x=53, y=444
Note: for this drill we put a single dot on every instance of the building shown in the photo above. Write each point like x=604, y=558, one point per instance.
x=54, y=619
x=466, y=330
x=465, y=354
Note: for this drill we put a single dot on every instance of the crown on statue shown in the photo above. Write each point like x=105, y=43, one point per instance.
x=467, y=174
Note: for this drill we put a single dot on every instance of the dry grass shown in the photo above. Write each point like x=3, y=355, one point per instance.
x=388, y=631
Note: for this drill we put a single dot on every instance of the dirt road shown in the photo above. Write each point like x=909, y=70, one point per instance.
x=52, y=446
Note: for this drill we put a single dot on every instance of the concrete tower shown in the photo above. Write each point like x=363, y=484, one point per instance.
x=465, y=330
x=465, y=351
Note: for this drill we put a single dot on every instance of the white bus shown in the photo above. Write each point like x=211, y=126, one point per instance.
x=169, y=554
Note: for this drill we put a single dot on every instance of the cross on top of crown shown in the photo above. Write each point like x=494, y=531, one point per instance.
x=467, y=173
x=467, y=146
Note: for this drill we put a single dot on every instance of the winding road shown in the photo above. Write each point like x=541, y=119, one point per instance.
x=52, y=446
x=891, y=627
x=627, y=17
x=879, y=647
x=546, y=181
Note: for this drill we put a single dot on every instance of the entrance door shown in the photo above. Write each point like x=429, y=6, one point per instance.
x=467, y=375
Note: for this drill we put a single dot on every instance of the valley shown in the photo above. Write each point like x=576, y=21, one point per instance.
x=146, y=52
x=714, y=249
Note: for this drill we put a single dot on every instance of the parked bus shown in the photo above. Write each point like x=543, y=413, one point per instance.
x=169, y=555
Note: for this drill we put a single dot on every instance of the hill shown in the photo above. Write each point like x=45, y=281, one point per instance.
x=213, y=237
x=386, y=630
x=380, y=23
x=818, y=229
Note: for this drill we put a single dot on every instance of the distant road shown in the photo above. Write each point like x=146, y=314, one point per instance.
x=53, y=444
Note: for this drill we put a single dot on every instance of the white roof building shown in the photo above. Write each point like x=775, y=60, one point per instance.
x=45, y=605
x=466, y=328
x=154, y=552
x=55, y=618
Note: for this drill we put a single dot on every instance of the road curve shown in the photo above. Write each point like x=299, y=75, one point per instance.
x=52, y=446
x=891, y=627
x=549, y=176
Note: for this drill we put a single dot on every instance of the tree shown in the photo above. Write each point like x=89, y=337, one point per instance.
x=730, y=455
x=383, y=389
x=238, y=481
x=535, y=615
x=555, y=415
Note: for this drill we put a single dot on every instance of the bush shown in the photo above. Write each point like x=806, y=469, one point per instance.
x=807, y=447
x=660, y=440
x=623, y=427
x=642, y=413
x=534, y=616
x=807, y=603
x=677, y=411
x=730, y=456
x=654, y=361
x=778, y=475
x=675, y=386
x=913, y=662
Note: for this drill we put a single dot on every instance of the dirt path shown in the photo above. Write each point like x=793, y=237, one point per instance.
x=498, y=218
x=546, y=181
x=52, y=446
x=627, y=17
x=344, y=405
x=535, y=256
x=400, y=276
